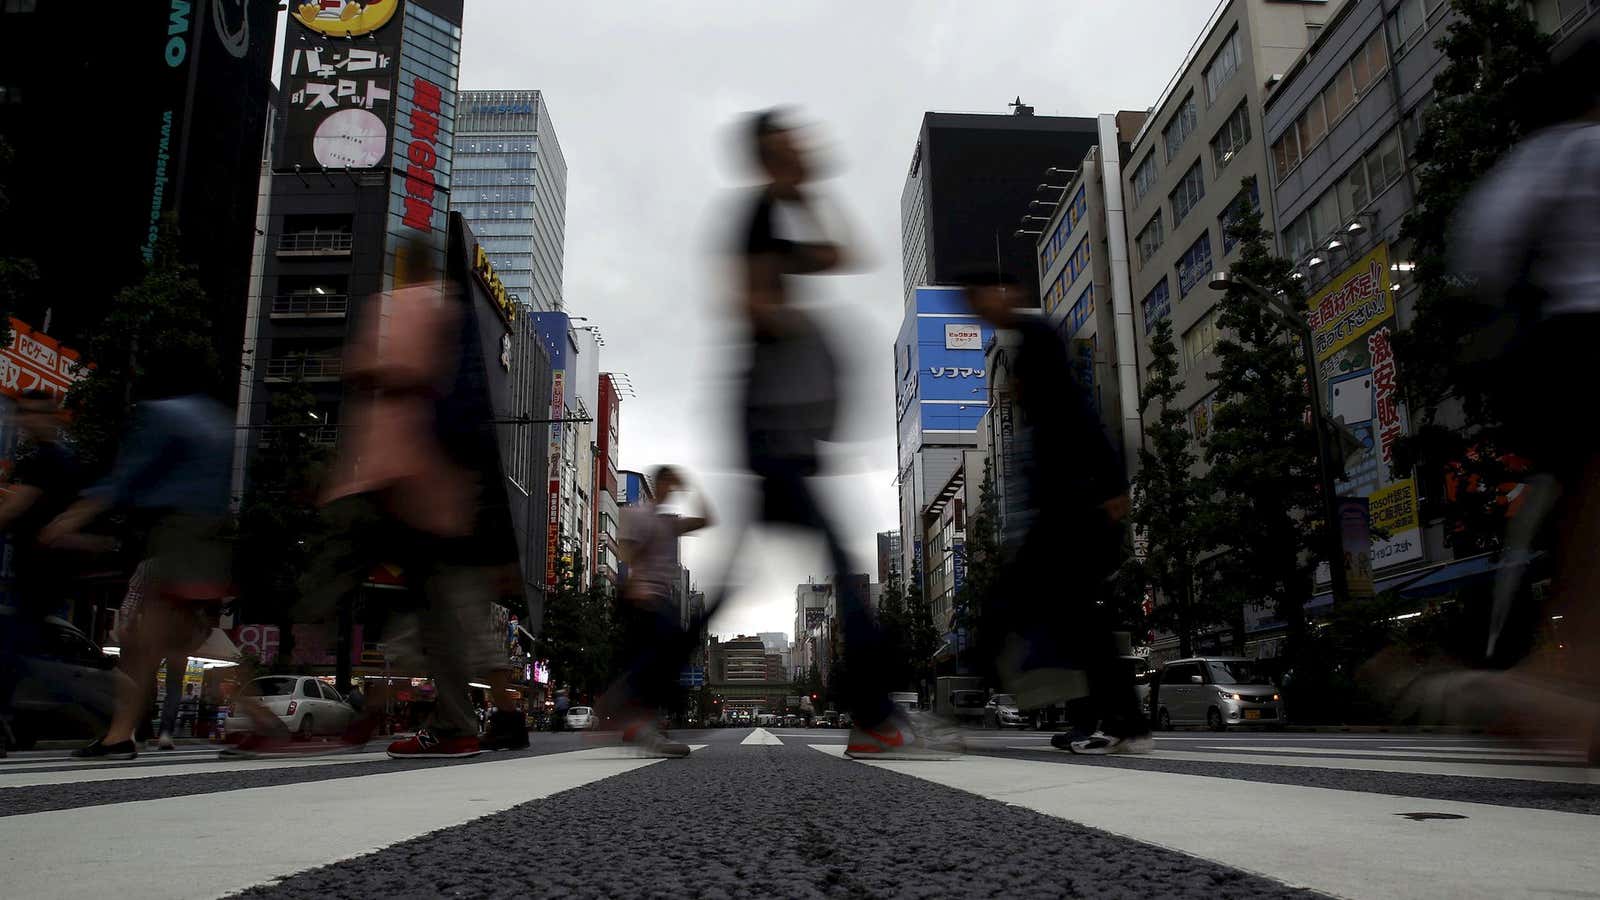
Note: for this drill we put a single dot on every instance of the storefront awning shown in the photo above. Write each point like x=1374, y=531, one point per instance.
x=1456, y=575
x=1325, y=599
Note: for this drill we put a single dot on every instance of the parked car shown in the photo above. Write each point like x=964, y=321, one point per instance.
x=582, y=718
x=1143, y=677
x=905, y=701
x=967, y=706
x=304, y=705
x=1001, y=712
x=1218, y=692
x=66, y=685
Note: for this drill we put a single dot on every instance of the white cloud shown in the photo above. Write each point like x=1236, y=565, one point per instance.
x=643, y=95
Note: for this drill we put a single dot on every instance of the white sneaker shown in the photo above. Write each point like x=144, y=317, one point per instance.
x=165, y=741
x=1102, y=744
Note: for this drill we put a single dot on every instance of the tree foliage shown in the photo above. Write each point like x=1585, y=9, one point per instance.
x=19, y=277
x=580, y=634
x=154, y=330
x=1263, y=513
x=1491, y=91
x=984, y=557
x=1167, y=499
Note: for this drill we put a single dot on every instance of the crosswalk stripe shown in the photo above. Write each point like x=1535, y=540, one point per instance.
x=1554, y=774
x=126, y=771
x=1345, y=843
x=1492, y=755
x=760, y=736
x=15, y=764
x=236, y=839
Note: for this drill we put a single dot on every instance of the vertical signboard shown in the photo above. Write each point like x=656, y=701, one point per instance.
x=338, y=85
x=552, y=539
x=420, y=150
x=1352, y=322
x=1355, y=536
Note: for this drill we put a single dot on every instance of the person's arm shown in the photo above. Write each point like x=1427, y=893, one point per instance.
x=143, y=452
x=17, y=502
x=704, y=519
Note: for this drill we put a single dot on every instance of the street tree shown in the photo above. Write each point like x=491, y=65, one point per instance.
x=1490, y=93
x=892, y=625
x=579, y=634
x=19, y=276
x=1262, y=513
x=922, y=638
x=1167, y=499
x=983, y=560
x=165, y=316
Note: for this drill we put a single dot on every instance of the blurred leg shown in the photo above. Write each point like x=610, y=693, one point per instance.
x=174, y=695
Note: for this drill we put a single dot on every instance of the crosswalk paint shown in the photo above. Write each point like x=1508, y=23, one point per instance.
x=124, y=771
x=1494, y=755
x=1487, y=769
x=1494, y=852
x=760, y=736
x=231, y=840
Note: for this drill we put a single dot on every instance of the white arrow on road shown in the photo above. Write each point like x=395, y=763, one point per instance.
x=760, y=736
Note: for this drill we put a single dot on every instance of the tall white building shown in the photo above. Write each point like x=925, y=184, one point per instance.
x=511, y=185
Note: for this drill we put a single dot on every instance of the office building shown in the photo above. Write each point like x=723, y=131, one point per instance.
x=940, y=399
x=1341, y=129
x=1084, y=283
x=969, y=175
x=1198, y=160
x=511, y=185
x=571, y=478
x=606, y=563
x=889, y=552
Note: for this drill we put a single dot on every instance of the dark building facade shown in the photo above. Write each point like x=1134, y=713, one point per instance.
x=148, y=112
x=970, y=174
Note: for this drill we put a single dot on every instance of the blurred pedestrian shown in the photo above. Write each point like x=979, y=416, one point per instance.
x=171, y=476
x=1045, y=624
x=1527, y=240
x=655, y=641
x=44, y=482
x=408, y=487
x=790, y=405
x=558, y=720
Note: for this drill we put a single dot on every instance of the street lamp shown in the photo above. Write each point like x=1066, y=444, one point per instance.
x=1222, y=281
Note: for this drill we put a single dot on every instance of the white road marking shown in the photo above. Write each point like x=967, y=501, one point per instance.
x=762, y=737
x=21, y=764
x=1425, y=753
x=1345, y=843
x=1553, y=774
x=124, y=771
x=235, y=839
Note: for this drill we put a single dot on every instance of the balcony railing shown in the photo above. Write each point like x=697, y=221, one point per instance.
x=307, y=368
x=315, y=243
x=313, y=305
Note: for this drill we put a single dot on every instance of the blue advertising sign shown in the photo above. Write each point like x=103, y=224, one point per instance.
x=1194, y=267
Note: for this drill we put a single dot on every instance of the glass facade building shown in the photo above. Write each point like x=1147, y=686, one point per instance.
x=511, y=186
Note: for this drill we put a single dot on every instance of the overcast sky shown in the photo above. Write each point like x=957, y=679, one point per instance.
x=642, y=95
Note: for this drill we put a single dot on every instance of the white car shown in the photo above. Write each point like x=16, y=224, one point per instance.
x=304, y=704
x=582, y=718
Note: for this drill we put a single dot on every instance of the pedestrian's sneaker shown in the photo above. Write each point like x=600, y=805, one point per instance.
x=648, y=740
x=425, y=745
x=1102, y=744
x=99, y=749
x=507, y=731
x=165, y=741
x=896, y=739
x=280, y=745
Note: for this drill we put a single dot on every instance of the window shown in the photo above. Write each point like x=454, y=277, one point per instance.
x=1081, y=311
x=1200, y=340
x=1354, y=191
x=1297, y=237
x=1285, y=154
x=1233, y=135
x=1144, y=177
x=1339, y=95
x=1150, y=238
x=1157, y=304
x=1191, y=188
x=1385, y=164
x=1406, y=22
x=1194, y=266
x=1180, y=126
x=1222, y=66
x=1313, y=125
x=1247, y=199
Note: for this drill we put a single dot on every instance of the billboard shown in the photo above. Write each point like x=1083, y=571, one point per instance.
x=1352, y=322
x=35, y=361
x=941, y=386
x=338, y=85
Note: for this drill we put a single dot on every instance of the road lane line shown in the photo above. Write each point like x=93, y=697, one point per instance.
x=1552, y=774
x=1493, y=756
x=761, y=737
x=229, y=841
x=1345, y=843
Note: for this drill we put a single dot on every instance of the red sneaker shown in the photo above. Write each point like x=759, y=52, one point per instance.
x=424, y=745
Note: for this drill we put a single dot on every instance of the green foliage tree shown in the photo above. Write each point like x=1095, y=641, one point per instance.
x=160, y=323
x=922, y=638
x=579, y=635
x=1491, y=91
x=892, y=623
x=983, y=559
x=19, y=277
x=1167, y=499
x=1262, y=511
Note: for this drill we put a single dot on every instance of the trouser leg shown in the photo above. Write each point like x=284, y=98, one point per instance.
x=174, y=693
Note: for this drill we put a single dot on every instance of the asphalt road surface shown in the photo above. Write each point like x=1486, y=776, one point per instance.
x=781, y=812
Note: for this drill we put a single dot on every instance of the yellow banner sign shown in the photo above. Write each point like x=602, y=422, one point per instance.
x=1352, y=304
